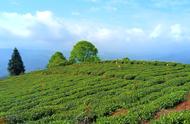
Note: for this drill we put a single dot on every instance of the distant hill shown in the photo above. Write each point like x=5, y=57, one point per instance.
x=114, y=92
x=38, y=59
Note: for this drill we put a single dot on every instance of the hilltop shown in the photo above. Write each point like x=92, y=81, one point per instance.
x=104, y=92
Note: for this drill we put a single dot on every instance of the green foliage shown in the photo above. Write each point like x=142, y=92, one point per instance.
x=87, y=116
x=57, y=95
x=126, y=59
x=57, y=60
x=84, y=51
x=15, y=65
x=14, y=120
x=182, y=117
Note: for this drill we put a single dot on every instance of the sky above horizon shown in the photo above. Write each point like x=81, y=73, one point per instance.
x=114, y=26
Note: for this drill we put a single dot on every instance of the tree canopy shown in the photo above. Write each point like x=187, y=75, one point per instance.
x=15, y=65
x=84, y=51
x=57, y=59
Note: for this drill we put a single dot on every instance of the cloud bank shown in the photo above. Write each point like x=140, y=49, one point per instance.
x=44, y=30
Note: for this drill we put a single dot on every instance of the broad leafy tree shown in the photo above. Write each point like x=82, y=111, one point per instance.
x=84, y=51
x=57, y=60
x=15, y=65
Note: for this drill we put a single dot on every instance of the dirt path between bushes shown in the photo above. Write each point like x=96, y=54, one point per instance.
x=119, y=112
x=2, y=121
x=185, y=105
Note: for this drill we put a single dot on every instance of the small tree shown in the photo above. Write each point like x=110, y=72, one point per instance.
x=15, y=65
x=126, y=59
x=57, y=60
x=84, y=51
x=88, y=116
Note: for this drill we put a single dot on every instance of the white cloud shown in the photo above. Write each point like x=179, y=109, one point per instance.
x=45, y=28
x=16, y=24
x=22, y=25
x=103, y=33
x=156, y=32
x=135, y=31
x=176, y=31
x=134, y=34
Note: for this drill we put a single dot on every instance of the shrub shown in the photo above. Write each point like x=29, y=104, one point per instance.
x=57, y=60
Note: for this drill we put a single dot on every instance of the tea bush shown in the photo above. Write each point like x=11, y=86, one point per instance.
x=57, y=95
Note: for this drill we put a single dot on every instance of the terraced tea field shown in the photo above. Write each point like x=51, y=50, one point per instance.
x=112, y=92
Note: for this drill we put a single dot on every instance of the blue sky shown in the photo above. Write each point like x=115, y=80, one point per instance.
x=122, y=27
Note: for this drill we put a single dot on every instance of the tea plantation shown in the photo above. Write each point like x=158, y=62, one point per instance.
x=110, y=92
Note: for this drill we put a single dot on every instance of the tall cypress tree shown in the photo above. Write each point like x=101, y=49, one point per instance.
x=15, y=65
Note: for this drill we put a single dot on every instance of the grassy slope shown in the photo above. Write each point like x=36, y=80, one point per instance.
x=58, y=95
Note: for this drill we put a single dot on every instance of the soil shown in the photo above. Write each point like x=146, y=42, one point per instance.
x=180, y=107
x=2, y=121
x=185, y=105
x=119, y=112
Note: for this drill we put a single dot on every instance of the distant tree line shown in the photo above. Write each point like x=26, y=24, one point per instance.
x=83, y=51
